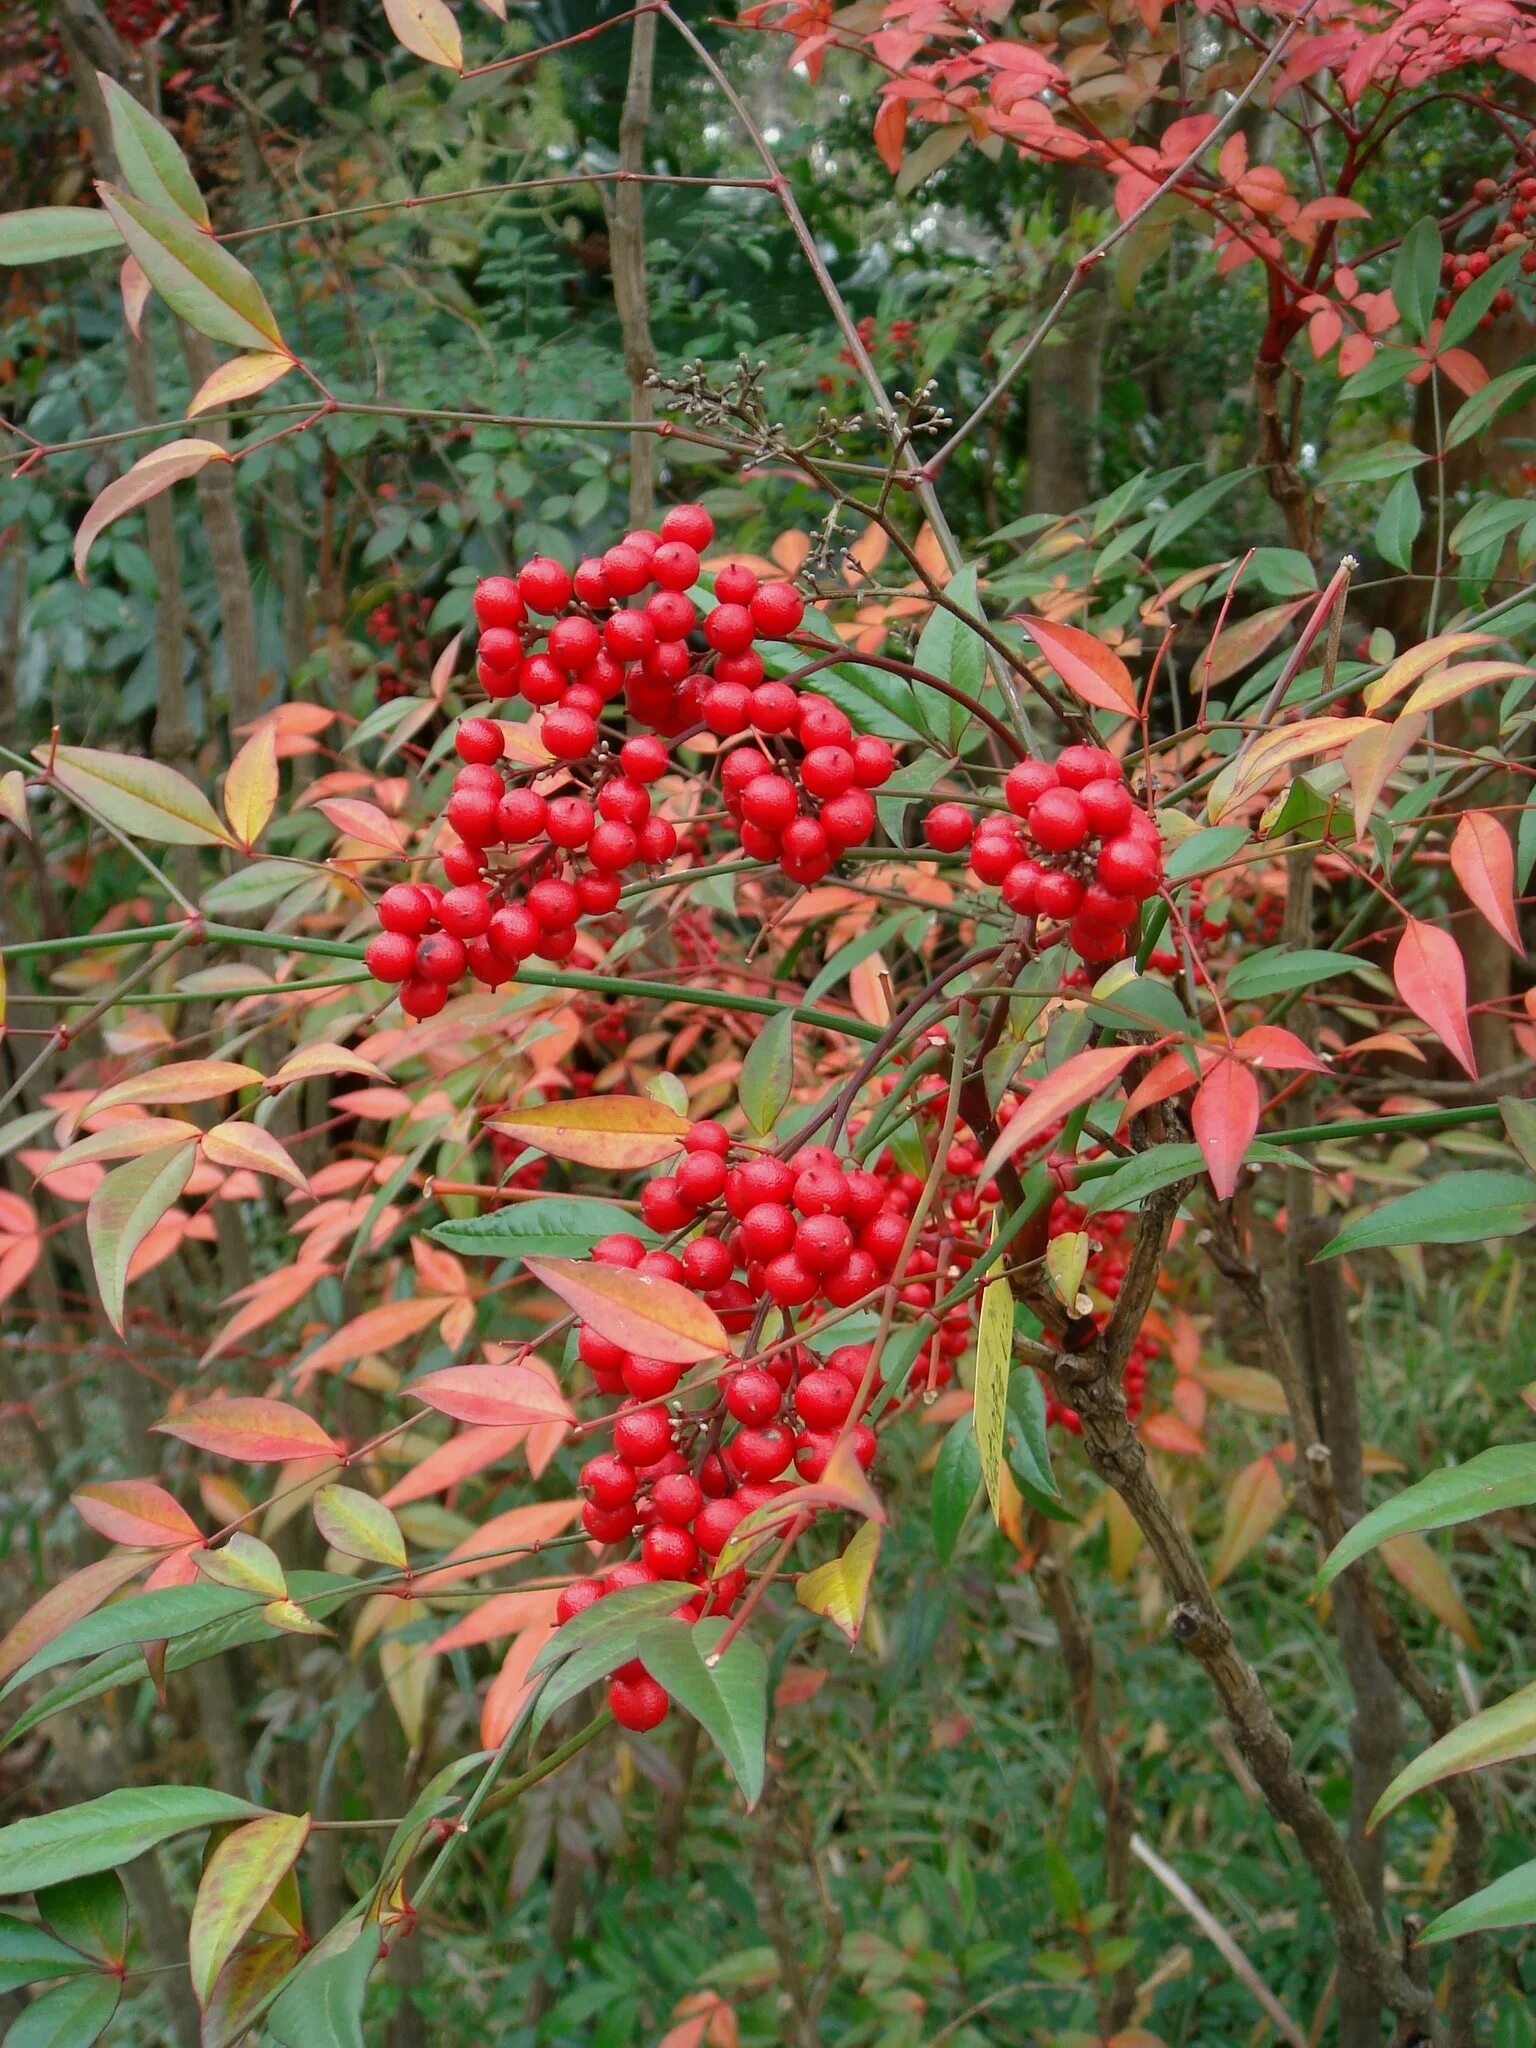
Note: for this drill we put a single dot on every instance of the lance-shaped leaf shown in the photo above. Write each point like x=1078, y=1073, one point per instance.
x=70, y=1601
x=250, y=787
x=1483, y=861
x=644, y=1313
x=1418, y=661
x=105, y=1833
x=235, y=381
x=123, y=1211
x=768, y=1073
x=150, y=475
x=617, y=1131
x=362, y=822
x=122, y=1141
x=251, y=1431
x=44, y=234
x=1431, y=978
x=322, y=2005
x=493, y=1396
x=145, y=799
x=246, y=1565
x=428, y=30
x=1449, y=684
x=1235, y=646
x=1496, y=1736
x=29, y=1953
x=839, y=1589
x=149, y=157
x=726, y=1694
x=1224, y=1116
x=359, y=1526
x=195, y=275
x=1510, y=1901
x=313, y=1061
x=1459, y=1208
x=956, y=1476
x=249, y=1148
x=376, y=1329
x=185, y=1081
x=1501, y=1478
x=1371, y=758
x=242, y=1874
x=1074, y=1082
x=1258, y=764
x=136, y=1512
x=553, y=1226
x=1254, y=1505
x=1423, y=1574
x=1087, y=667
x=90, y=1913
x=994, y=1359
x=72, y=2015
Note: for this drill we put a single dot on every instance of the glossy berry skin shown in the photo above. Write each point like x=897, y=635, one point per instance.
x=405, y=908
x=670, y=1552
x=1057, y=821
x=777, y=609
x=649, y=1379
x=638, y=1704
x=1025, y=782
x=764, y=1453
x=735, y=584
x=1058, y=895
x=544, y=586
x=499, y=602
x=824, y=1399
x=947, y=828
x=465, y=912
x=849, y=819
x=642, y=1435
x=577, y=1598
x=714, y=1523
x=610, y=1481
x=752, y=1396
x=440, y=957
x=827, y=771
x=767, y=1229
x=390, y=956
x=1130, y=865
x=479, y=740
x=1108, y=806
x=690, y=524
x=554, y=903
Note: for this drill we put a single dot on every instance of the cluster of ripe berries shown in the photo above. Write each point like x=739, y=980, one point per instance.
x=1460, y=268
x=811, y=1229
x=398, y=628
x=1073, y=848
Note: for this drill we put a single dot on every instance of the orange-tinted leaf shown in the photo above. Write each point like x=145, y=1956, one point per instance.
x=1167, y=1077
x=185, y=1081
x=264, y=1301
x=355, y=819
x=1088, y=668
x=1423, y=1573
x=241, y=1875
x=618, y=1131
x=1447, y=685
x=1170, y=1432
x=1225, y=1115
x=376, y=1329
x=1371, y=758
x=313, y=1060
x=503, y=1540
x=644, y=1313
x=250, y=787
x=428, y=30
x=1237, y=645
x=493, y=1396
x=1270, y=1045
x=1418, y=661
x=242, y=378
x=251, y=1431
x=1431, y=978
x=65, y=1604
x=253, y=1149
x=451, y=1463
x=149, y=476
x=1254, y=1505
x=128, y=1140
x=1074, y=1082
x=1267, y=757
x=136, y=1512
x=1244, y=1386
x=501, y=1614
x=1484, y=864
x=509, y=1689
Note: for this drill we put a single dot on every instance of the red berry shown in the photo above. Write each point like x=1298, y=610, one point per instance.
x=873, y=761
x=609, y=1480
x=707, y=1264
x=708, y=1136
x=775, y=707
x=700, y=1175
x=599, y=893
x=822, y=1243
x=499, y=602
x=1130, y=865
x=642, y=1435
x=761, y=1454
x=405, y=908
x=664, y=1205
x=729, y=628
x=994, y=850
x=570, y=735
x=619, y=1248
x=788, y=1282
x=473, y=815
x=390, y=956
x=822, y=724
x=589, y=581
x=613, y=846
x=466, y=912
x=947, y=827
x=1026, y=781
x=715, y=1521
x=677, y=1498
x=644, y=758
x=513, y=933
x=727, y=708
x=674, y=617
x=522, y=815
x=479, y=740
x=675, y=565
x=649, y=1379
x=554, y=903
x=541, y=680
x=569, y=822
x=1078, y=766
x=690, y=524
x=1058, y=895
x=463, y=864
x=577, y=1598
x=824, y=1399
x=1057, y=820
x=1107, y=805
x=657, y=839
x=770, y=801
x=627, y=636
x=500, y=648
x=422, y=998
x=767, y=1229
x=752, y=1396
x=777, y=609
x=544, y=586
x=735, y=584
x=671, y=1553
x=440, y=957
x=638, y=1704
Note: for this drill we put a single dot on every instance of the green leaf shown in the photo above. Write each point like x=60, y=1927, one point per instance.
x=889, y=706
x=729, y=1699
x=956, y=1476
x=357, y=1525
x=143, y=798
x=1387, y=367
x=1525, y=846
x=1416, y=277
x=994, y=1357
x=846, y=958
x=1201, y=851
x=1029, y=1451
x=1459, y=1208
x=44, y=234
x=1140, y=1003
x=70, y=2016
x=102, y=1834
x=1504, y=1477
x=554, y=1226
x=1519, y=1119
x=323, y=2004
x=768, y=1073
x=1484, y=407
x=241, y=1875
x=152, y=165
x=90, y=1913
x=1397, y=526
x=1498, y=1735
x=1191, y=510
x=155, y=1617
x=1277, y=972
x=196, y=276
x=1376, y=467
x=245, y=1564
x=1159, y=1167
x=1462, y=320
x=29, y=1954
x=948, y=648
x=1510, y=1901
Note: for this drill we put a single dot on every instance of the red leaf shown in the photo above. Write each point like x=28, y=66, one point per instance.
x=1431, y=978
x=492, y=1396
x=1088, y=668
x=254, y=1432
x=1225, y=1115
x=638, y=1310
x=458, y=1459
x=1268, y=1045
x=1485, y=867
x=1075, y=1081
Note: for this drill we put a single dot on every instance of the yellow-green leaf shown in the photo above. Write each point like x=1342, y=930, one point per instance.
x=148, y=156
x=616, y=1131
x=839, y=1590
x=44, y=234
x=241, y=1875
x=428, y=30
x=243, y=378
x=248, y=1148
x=247, y=1564
x=124, y=1210
x=149, y=476
x=13, y=800
x=1066, y=1261
x=359, y=1526
x=184, y=1081
x=195, y=275
x=994, y=1355
x=145, y=799
x=1422, y=1573
x=250, y=787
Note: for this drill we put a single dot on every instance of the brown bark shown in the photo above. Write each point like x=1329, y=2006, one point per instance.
x=1066, y=380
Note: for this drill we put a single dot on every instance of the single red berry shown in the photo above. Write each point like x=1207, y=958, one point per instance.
x=1130, y=865
x=404, y=907
x=498, y=602
x=729, y=629
x=707, y=1264
x=599, y=893
x=948, y=827
x=822, y=724
x=577, y=1598
x=994, y=850
x=671, y=1553
x=569, y=734
x=627, y=636
x=589, y=581
x=644, y=758
x=735, y=584
x=422, y=998
x=1057, y=821
x=664, y=1205
x=513, y=933
x=674, y=616
x=554, y=903
x=466, y=912
x=727, y=708
x=638, y=1704
x=1096, y=942
x=1078, y=766
x=788, y=1282
x=874, y=762
x=544, y=586
x=649, y=1379
x=820, y=1189
x=690, y=524
x=1019, y=888
x=1107, y=805
x=619, y=1248
x=658, y=841
x=473, y=815
x=770, y=801
x=827, y=771
x=613, y=846
x=609, y=1480
x=701, y=1177
x=761, y=1454
x=625, y=802
x=541, y=681
x=677, y=1499
x=642, y=1435
x=569, y=822
x=522, y=815
x=775, y=707
x=440, y=957
x=390, y=956
x=822, y=1243
x=824, y=1399
x=675, y=565
x=1026, y=781
x=1058, y=895
x=500, y=648
x=463, y=864
x=479, y=740
x=777, y=609
x=752, y=1396
x=849, y=819
x=716, y=1520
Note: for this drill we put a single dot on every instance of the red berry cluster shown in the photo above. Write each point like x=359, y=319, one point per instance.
x=1073, y=848
x=1460, y=268
x=810, y=1229
x=399, y=629
x=802, y=811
